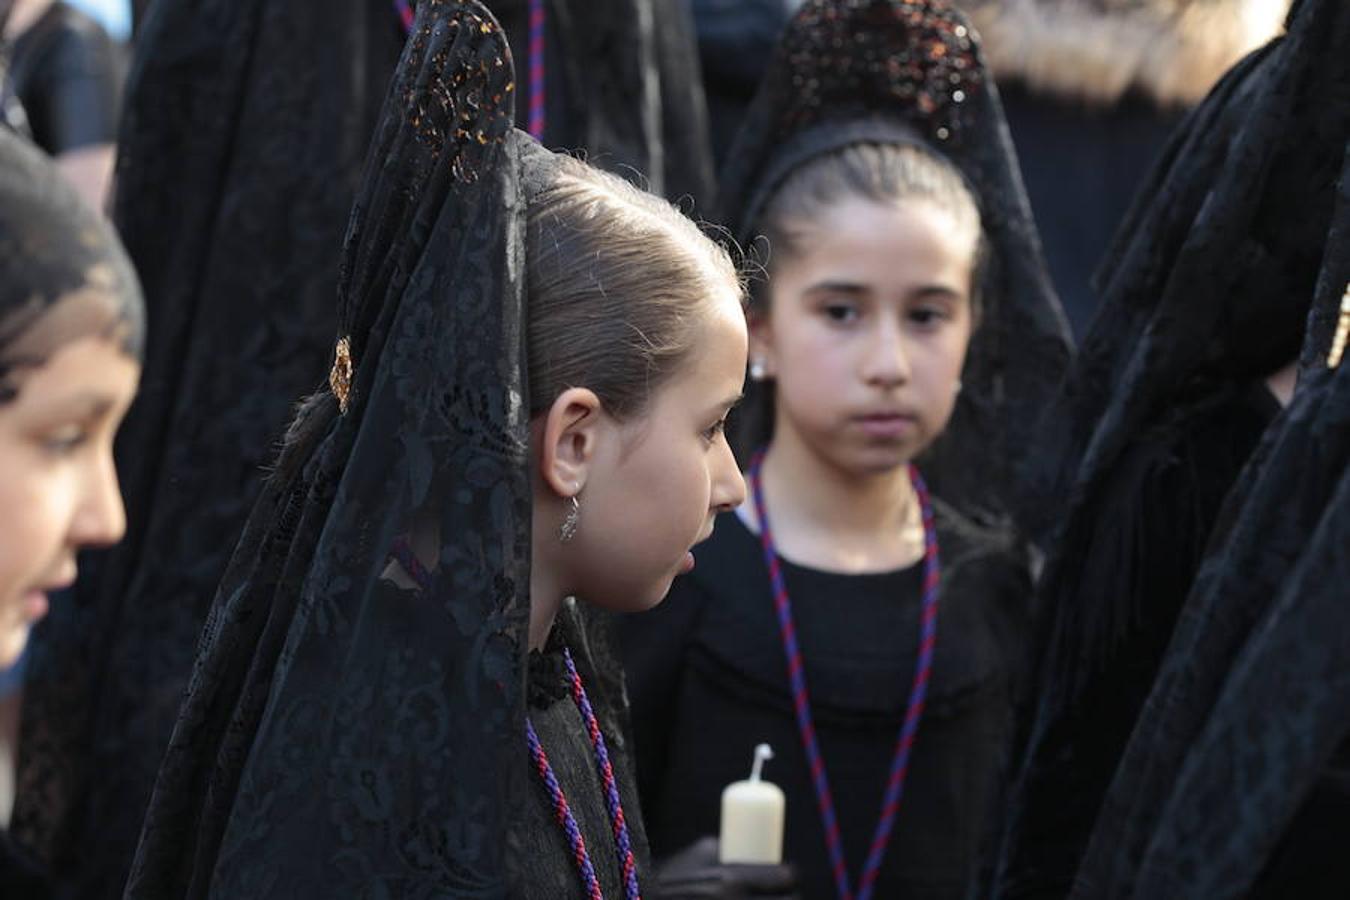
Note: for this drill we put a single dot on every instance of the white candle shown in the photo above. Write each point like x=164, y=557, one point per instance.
x=752, y=817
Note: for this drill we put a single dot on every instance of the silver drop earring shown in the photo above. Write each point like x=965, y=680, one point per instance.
x=569, y=525
x=757, y=370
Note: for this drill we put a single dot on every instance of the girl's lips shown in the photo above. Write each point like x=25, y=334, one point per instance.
x=886, y=425
x=688, y=565
x=35, y=605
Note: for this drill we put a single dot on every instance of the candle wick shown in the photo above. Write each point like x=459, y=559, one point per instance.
x=762, y=752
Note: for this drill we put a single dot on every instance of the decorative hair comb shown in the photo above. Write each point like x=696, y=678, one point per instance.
x=1342, y=332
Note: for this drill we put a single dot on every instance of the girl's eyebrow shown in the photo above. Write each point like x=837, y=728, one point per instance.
x=730, y=403
x=930, y=290
x=84, y=405
x=837, y=287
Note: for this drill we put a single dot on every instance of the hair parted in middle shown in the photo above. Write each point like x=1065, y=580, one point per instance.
x=883, y=173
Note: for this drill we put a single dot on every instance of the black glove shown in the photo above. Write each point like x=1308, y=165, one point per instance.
x=694, y=872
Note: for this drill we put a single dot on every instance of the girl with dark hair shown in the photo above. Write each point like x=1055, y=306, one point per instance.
x=394, y=695
x=870, y=631
x=71, y=332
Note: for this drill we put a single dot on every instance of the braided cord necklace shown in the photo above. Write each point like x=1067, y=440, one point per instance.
x=923, y=670
x=537, y=71
x=405, y=13
x=562, y=810
x=618, y=823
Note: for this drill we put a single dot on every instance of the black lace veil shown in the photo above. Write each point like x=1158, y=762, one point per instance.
x=911, y=71
x=344, y=734
x=1250, y=703
x=65, y=275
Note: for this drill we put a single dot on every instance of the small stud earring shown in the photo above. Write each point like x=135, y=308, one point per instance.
x=569, y=525
x=757, y=370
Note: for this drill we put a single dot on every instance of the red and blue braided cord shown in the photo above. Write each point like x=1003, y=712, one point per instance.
x=405, y=13
x=563, y=812
x=802, y=703
x=618, y=822
x=537, y=68
x=538, y=88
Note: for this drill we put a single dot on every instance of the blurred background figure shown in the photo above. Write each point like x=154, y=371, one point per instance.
x=71, y=333
x=1092, y=89
x=1188, y=361
x=735, y=41
x=113, y=15
x=71, y=74
x=67, y=73
x=245, y=131
x=618, y=80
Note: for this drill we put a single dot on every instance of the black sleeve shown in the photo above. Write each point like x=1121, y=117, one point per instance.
x=653, y=646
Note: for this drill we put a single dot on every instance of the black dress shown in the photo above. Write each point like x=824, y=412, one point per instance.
x=68, y=74
x=20, y=877
x=708, y=682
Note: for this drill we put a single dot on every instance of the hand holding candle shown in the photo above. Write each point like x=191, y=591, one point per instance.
x=752, y=818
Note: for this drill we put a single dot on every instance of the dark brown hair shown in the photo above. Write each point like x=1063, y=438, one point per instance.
x=877, y=172
x=617, y=282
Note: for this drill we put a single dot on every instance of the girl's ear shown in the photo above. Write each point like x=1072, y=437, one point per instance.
x=761, y=343
x=570, y=439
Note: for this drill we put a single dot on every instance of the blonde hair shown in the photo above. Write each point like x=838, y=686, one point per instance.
x=617, y=281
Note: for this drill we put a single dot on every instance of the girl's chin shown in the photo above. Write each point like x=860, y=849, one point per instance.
x=634, y=601
x=880, y=459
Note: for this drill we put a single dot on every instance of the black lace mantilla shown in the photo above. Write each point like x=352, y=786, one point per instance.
x=343, y=734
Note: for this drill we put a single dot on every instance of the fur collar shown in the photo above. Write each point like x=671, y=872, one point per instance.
x=1171, y=50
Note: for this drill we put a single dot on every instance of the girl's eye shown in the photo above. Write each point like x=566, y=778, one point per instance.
x=65, y=441
x=711, y=434
x=927, y=315
x=841, y=313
